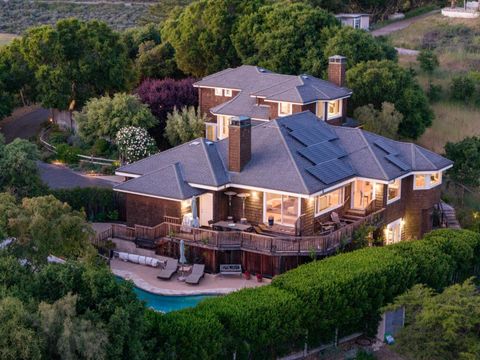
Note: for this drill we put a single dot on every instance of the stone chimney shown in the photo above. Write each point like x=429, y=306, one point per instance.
x=239, y=143
x=336, y=69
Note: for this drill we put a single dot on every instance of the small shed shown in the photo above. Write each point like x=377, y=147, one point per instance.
x=392, y=322
x=356, y=20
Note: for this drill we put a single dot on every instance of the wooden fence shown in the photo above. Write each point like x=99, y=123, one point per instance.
x=236, y=240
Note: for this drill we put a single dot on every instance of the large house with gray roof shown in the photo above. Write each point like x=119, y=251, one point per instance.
x=264, y=96
x=274, y=192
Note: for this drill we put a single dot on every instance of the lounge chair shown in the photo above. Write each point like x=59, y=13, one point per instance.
x=339, y=222
x=197, y=273
x=169, y=270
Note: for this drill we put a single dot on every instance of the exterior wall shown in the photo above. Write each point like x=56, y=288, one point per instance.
x=239, y=146
x=336, y=72
x=148, y=211
x=253, y=206
x=207, y=100
x=310, y=107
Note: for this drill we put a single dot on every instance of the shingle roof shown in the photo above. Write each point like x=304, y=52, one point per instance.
x=298, y=154
x=253, y=81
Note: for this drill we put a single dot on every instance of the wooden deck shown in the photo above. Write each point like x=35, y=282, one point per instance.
x=236, y=240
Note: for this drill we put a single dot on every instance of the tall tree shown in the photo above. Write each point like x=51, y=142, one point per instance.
x=184, y=125
x=383, y=122
x=374, y=82
x=74, y=61
x=284, y=37
x=466, y=157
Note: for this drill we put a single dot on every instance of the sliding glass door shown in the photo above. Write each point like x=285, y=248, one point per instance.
x=284, y=209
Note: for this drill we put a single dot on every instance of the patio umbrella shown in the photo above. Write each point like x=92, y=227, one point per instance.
x=195, y=222
x=182, y=259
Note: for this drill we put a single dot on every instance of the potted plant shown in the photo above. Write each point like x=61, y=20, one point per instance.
x=259, y=277
x=270, y=221
x=247, y=275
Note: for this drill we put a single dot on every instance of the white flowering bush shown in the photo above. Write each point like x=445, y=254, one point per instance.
x=134, y=143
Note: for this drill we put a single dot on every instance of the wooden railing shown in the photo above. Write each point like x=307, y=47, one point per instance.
x=172, y=220
x=229, y=240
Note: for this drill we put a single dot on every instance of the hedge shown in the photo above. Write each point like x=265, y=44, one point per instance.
x=99, y=204
x=342, y=293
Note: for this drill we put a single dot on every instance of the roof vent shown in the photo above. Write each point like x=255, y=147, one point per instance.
x=304, y=76
x=195, y=143
x=262, y=70
x=208, y=142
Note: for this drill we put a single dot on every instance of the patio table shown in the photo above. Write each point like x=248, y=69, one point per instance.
x=229, y=225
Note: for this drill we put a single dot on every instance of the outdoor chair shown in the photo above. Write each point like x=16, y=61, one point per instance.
x=337, y=221
x=198, y=271
x=169, y=270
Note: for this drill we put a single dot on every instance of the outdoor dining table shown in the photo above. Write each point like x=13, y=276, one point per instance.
x=229, y=225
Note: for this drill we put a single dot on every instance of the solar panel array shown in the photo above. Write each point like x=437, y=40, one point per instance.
x=320, y=149
x=392, y=155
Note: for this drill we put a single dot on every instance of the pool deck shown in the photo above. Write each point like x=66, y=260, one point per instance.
x=145, y=277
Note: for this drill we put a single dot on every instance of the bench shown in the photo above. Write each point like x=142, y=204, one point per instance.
x=231, y=269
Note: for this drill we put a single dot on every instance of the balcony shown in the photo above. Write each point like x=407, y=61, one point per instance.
x=172, y=231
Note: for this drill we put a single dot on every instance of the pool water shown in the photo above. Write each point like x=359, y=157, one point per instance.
x=165, y=303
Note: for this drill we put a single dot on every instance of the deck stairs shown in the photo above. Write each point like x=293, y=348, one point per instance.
x=354, y=214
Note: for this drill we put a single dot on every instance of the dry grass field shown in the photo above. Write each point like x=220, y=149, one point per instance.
x=6, y=38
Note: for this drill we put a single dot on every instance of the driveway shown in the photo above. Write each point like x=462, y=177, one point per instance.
x=24, y=123
x=61, y=177
x=400, y=25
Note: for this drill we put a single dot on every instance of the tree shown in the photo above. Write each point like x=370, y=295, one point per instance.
x=103, y=117
x=18, y=339
x=74, y=61
x=18, y=167
x=374, y=82
x=441, y=326
x=428, y=60
x=133, y=38
x=157, y=61
x=159, y=12
x=44, y=226
x=201, y=34
x=184, y=125
x=383, y=122
x=284, y=37
x=356, y=45
x=134, y=144
x=462, y=88
x=466, y=157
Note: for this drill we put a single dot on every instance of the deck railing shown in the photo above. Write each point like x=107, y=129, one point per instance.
x=225, y=240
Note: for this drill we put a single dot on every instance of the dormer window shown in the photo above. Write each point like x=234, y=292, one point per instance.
x=427, y=181
x=227, y=92
x=218, y=92
x=284, y=108
x=333, y=109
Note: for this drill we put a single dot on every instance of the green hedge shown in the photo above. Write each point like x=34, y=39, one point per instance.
x=343, y=292
x=99, y=204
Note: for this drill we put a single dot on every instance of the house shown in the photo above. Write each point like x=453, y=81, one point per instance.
x=357, y=21
x=263, y=96
x=289, y=188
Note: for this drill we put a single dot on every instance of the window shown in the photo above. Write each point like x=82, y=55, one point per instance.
x=330, y=201
x=211, y=131
x=356, y=23
x=394, y=190
x=393, y=232
x=227, y=92
x=333, y=109
x=320, y=107
x=427, y=181
x=284, y=108
x=218, y=92
x=223, y=122
x=284, y=209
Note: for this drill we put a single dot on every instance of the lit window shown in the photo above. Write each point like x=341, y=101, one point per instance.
x=394, y=191
x=227, y=92
x=320, y=107
x=218, y=92
x=223, y=123
x=330, y=201
x=393, y=232
x=333, y=108
x=356, y=23
x=211, y=131
x=427, y=181
x=284, y=108
x=284, y=209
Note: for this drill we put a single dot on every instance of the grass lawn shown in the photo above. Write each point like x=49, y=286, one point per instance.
x=457, y=45
x=6, y=38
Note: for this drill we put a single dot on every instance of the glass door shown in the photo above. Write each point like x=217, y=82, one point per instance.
x=363, y=192
x=284, y=209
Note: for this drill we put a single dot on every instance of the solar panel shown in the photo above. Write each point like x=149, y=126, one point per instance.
x=385, y=147
x=331, y=171
x=322, y=152
x=397, y=162
x=311, y=136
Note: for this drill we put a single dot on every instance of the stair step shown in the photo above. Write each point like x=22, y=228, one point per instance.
x=353, y=217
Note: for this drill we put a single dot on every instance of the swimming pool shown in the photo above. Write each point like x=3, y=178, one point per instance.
x=165, y=303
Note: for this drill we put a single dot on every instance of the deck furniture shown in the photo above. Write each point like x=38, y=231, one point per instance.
x=231, y=269
x=169, y=270
x=229, y=226
x=337, y=221
x=198, y=271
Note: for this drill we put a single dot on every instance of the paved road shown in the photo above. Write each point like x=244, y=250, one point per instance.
x=24, y=125
x=61, y=177
x=400, y=25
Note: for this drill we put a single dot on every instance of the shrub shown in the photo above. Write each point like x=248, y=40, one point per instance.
x=68, y=154
x=134, y=144
x=428, y=60
x=434, y=92
x=462, y=88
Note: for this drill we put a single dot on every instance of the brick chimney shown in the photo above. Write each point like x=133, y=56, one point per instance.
x=239, y=143
x=336, y=69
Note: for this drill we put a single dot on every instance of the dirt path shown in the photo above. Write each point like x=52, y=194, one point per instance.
x=23, y=123
x=400, y=25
